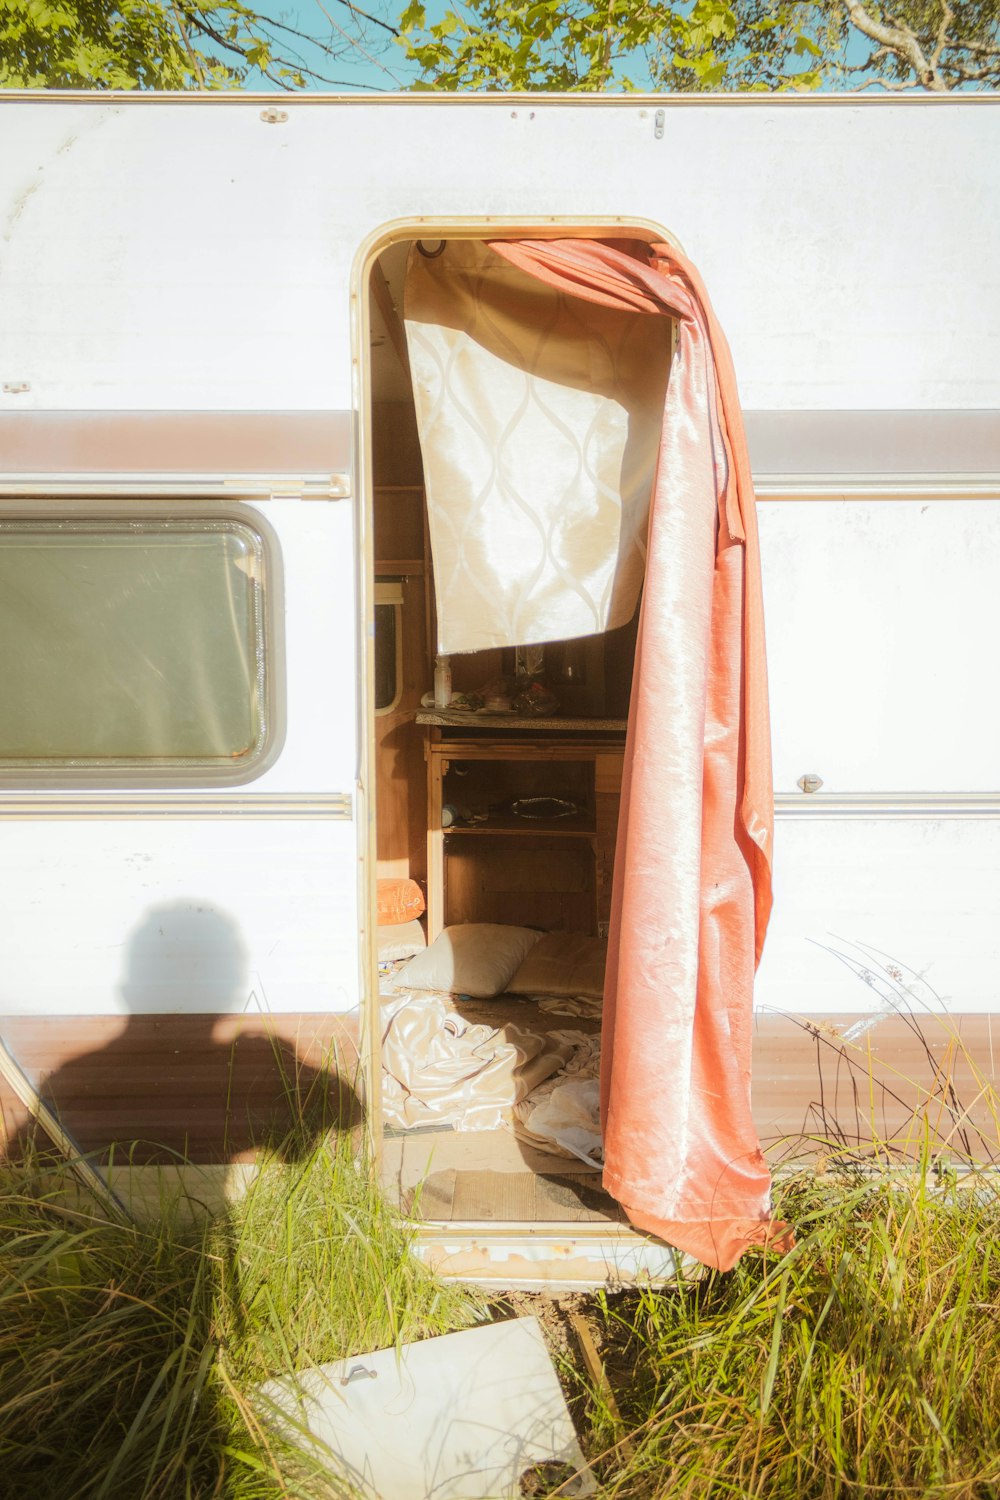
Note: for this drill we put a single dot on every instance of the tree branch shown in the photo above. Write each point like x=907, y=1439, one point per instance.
x=884, y=83
x=355, y=43
x=193, y=57
x=947, y=16
x=197, y=20
x=899, y=39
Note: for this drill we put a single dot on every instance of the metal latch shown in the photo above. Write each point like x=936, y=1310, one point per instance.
x=658, y=122
x=274, y=116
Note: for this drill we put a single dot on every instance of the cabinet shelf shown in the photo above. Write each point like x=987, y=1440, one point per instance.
x=552, y=873
x=580, y=828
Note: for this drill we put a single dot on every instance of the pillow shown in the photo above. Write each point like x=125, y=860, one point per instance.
x=474, y=958
x=563, y=964
x=400, y=940
x=399, y=901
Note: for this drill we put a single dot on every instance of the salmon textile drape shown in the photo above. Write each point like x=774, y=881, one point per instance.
x=692, y=885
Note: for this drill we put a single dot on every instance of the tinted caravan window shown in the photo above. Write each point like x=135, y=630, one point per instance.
x=138, y=644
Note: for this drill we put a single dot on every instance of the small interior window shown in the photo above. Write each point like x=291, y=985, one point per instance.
x=388, y=646
x=133, y=643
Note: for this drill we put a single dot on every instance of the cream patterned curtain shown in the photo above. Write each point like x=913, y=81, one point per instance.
x=539, y=417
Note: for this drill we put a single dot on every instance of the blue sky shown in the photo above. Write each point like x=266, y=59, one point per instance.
x=385, y=67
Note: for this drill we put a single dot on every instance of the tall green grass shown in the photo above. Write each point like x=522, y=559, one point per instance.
x=866, y=1362
x=129, y=1354
x=863, y=1365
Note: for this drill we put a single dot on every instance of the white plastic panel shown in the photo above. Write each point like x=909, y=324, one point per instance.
x=883, y=621
x=924, y=892
x=250, y=900
x=180, y=292
x=191, y=916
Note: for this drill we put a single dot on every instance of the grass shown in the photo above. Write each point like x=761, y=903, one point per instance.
x=129, y=1354
x=864, y=1364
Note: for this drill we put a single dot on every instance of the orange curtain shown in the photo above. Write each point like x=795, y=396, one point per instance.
x=692, y=890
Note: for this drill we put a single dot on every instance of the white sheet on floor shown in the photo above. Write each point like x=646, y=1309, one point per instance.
x=453, y=1418
x=569, y=1005
x=563, y=1114
x=439, y=1069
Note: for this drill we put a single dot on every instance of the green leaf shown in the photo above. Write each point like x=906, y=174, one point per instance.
x=413, y=16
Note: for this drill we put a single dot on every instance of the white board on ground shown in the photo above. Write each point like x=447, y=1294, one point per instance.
x=459, y=1417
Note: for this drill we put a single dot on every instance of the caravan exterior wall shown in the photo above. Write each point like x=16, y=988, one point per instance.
x=174, y=267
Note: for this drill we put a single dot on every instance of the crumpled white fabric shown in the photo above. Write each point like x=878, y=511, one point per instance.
x=563, y=1115
x=438, y=1069
x=569, y=1005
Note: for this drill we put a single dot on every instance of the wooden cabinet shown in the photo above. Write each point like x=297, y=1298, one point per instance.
x=521, y=822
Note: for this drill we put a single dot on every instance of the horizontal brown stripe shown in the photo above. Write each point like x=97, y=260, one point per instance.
x=212, y=1086
x=176, y=442
x=207, y=1087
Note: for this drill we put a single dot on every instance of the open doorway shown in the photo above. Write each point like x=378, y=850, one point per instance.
x=495, y=841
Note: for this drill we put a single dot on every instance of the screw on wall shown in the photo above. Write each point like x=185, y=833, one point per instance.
x=810, y=782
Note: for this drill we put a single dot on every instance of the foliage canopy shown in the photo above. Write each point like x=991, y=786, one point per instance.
x=694, y=45
x=167, y=44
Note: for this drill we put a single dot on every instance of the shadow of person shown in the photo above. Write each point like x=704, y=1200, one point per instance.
x=151, y=1306
x=192, y=1074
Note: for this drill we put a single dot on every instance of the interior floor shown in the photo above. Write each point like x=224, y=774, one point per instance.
x=493, y=1176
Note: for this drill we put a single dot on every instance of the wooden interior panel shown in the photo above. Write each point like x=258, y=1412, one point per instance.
x=490, y=786
x=396, y=456
x=399, y=526
x=537, y=881
x=607, y=784
x=474, y=669
x=619, y=658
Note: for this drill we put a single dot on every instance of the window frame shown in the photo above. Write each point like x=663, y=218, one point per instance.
x=126, y=773
x=389, y=593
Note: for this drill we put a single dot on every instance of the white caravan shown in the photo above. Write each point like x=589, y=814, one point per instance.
x=206, y=422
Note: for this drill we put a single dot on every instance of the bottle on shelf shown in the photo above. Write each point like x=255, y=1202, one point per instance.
x=442, y=682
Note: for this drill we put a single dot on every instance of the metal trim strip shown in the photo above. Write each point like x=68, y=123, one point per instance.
x=117, y=807
x=805, y=487
x=898, y=805
x=173, y=486
x=153, y=99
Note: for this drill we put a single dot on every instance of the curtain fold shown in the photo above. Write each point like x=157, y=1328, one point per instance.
x=692, y=889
